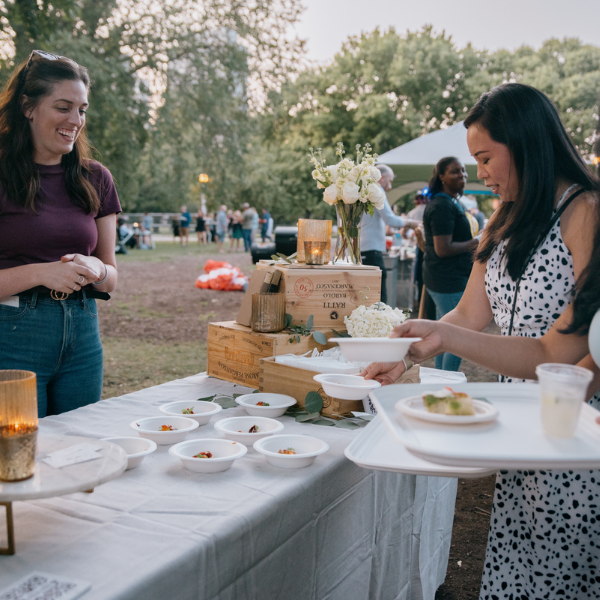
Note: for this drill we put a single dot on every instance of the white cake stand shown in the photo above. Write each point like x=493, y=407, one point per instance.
x=48, y=482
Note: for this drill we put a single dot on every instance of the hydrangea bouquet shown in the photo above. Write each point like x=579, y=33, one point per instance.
x=352, y=187
x=377, y=320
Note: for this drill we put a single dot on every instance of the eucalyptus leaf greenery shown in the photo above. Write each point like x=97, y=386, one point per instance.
x=310, y=414
x=304, y=329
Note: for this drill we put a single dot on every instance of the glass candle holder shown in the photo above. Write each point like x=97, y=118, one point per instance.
x=313, y=230
x=314, y=252
x=18, y=424
x=268, y=312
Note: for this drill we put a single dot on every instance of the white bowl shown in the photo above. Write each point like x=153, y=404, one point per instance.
x=375, y=349
x=224, y=453
x=149, y=428
x=203, y=411
x=236, y=428
x=307, y=449
x=346, y=387
x=278, y=404
x=135, y=447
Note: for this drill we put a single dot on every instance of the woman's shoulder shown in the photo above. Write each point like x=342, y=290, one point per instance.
x=98, y=171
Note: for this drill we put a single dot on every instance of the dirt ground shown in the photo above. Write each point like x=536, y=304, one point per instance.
x=157, y=302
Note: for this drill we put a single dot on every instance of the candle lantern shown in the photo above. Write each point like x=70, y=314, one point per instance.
x=314, y=252
x=18, y=424
x=268, y=312
x=313, y=230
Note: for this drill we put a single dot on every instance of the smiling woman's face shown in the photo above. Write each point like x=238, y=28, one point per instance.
x=495, y=164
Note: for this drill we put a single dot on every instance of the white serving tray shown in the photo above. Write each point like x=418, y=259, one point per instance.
x=513, y=441
x=376, y=448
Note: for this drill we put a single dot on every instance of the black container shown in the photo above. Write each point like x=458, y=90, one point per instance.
x=286, y=239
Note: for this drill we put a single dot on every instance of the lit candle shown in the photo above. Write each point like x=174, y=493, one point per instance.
x=314, y=252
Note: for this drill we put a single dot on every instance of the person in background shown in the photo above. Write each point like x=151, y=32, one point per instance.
x=416, y=214
x=147, y=226
x=58, y=212
x=372, y=229
x=247, y=222
x=175, y=226
x=255, y=225
x=236, y=231
x=264, y=225
x=185, y=220
x=221, y=225
x=201, y=227
x=449, y=244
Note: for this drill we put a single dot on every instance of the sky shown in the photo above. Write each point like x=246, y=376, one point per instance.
x=491, y=24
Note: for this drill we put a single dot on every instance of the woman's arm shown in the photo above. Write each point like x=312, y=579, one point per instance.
x=444, y=246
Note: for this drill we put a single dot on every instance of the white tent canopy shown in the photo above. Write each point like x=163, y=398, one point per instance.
x=428, y=149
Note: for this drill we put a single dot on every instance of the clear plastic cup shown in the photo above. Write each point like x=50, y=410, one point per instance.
x=563, y=389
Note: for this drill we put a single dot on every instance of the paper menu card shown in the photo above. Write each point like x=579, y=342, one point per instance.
x=45, y=586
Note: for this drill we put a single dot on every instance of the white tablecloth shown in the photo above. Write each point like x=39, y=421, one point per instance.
x=329, y=531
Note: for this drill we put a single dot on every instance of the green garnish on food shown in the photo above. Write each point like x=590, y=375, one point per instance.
x=188, y=411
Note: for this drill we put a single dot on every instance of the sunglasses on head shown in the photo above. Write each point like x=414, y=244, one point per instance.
x=46, y=56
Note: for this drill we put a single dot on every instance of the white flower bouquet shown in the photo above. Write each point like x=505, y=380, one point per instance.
x=353, y=188
x=377, y=320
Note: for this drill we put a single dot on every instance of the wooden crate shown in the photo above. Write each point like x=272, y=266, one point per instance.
x=234, y=351
x=284, y=379
x=327, y=293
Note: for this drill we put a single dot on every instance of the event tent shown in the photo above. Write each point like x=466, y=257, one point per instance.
x=413, y=162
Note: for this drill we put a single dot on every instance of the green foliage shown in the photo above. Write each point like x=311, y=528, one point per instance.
x=304, y=329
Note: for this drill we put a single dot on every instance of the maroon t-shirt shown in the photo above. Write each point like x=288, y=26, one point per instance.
x=59, y=227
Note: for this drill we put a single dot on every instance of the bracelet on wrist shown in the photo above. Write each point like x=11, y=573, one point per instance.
x=407, y=365
x=101, y=281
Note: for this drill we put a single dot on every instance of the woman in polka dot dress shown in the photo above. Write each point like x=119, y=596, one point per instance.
x=545, y=529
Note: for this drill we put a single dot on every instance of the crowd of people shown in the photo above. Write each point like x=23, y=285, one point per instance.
x=533, y=270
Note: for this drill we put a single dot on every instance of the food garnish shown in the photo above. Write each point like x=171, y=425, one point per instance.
x=261, y=403
x=253, y=429
x=188, y=411
x=287, y=451
x=203, y=455
x=167, y=428
x=448, y=402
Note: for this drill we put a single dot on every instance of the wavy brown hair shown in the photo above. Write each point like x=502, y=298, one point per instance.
x=19, y=174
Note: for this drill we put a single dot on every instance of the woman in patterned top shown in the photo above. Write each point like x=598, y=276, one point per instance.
x=545, y=526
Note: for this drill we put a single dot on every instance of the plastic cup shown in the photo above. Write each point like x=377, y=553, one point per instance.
x=563, y=389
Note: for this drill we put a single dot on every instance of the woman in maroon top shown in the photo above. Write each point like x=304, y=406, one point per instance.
x=57, y=233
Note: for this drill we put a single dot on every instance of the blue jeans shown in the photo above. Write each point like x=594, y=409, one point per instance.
x=444, y=303
x=60, y=342
x=247, y=234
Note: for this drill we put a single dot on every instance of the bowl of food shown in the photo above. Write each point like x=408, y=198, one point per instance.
x=265, y=405
x=346, y=387
x=368, y=350
x=291, y=451
x=191, y=409
x=247, y=430
x=136, y=447
x=209, y=455
x=164, y=430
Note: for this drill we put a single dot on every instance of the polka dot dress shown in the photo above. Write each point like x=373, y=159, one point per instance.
x=544, y=539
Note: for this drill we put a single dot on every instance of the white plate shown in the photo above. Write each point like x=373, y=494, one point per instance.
x=374, y=349
x=203, y=411
x=346, y=387
x=514, y=440
x=307, y=449
x=237, y=429
x=414, y=407
x=278, y=404
x=224, y=452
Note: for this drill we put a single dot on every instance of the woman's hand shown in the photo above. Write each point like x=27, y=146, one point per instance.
x=385, y=373
x=65, y=276
x=95, y=265
x=431, y=333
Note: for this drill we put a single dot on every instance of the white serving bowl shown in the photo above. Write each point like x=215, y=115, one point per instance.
x=149, y=428
x=236, y=428
x=375, y=349
x=346, y=387
x=224, y=453
x=136, y=447
x=203, y=411
x=307, y=449
x=278, y=404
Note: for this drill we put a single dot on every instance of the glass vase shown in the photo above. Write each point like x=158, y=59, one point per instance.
x=348, y=235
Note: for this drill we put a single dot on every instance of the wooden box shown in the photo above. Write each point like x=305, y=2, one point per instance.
x=327, y=292
x=234, y=351
x=284, y=379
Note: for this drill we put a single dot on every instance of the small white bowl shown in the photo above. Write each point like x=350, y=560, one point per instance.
x=224, y=453
x=203, y=411
x=149, y=428
x=307, y=449
x=237, y=428
x=278, y=404
x=346, y=387
x=136, y=447
x=374, y=349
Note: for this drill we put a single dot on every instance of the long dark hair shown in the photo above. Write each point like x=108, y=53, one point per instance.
x=523, y=119
x=18, y=173
x=435, y=183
